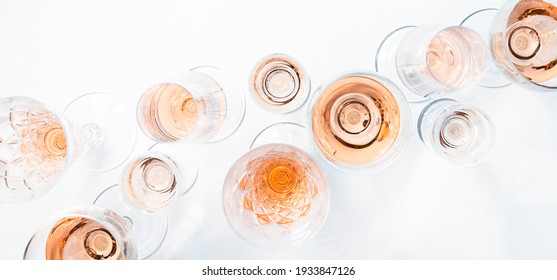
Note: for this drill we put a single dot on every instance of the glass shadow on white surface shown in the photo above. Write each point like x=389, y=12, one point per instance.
x=276, y=197
x=430, y=60
x=37, y=144
x=202, y=105
x=83, y=233
x=150, y=183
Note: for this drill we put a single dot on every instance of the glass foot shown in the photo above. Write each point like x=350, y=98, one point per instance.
x=107, y=128
x=235, y=101
x=385, y=61
x=149, y=229
x=478, y=21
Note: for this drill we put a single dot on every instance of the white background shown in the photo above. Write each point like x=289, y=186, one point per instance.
x=421, y=207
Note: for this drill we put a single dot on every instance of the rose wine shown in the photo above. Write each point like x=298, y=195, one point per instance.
x=278, y=187
x=150, y=183
x=532, y=40
x=80, y=238
x=449, y=58
x=277, y=81
x=356, y=120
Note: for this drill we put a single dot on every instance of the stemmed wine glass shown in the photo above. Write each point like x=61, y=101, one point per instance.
x=202, y=105
x=37, y=144
x=279, y=83
x=83, y=233
x=431, y=61
x=150, y=183
x=524, y=42
x=276, y=196
x=457, y=132
x=359, y=121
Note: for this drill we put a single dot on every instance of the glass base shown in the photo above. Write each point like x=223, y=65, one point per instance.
x=235, y=101
x=493, y=77
x=149, y=229
x=107, y=128
x=385, y=61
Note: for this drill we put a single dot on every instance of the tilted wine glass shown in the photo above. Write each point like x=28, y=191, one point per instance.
x=431, y=61
x=37, y=144
x=359, y=121
x=83, y=233
x=150, y=183
x=459, y=133
x=202, y=105
x=279, y=83
x=276, y=196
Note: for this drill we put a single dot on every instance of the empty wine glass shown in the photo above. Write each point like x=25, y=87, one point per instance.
x=276, y=196
x=524, y=42
x=150, y=183
x=83, y=233
x=37, y=144
x=359, y=121
x=431, y=61
x=459, y=133
x=279, y=83
x=202, y=105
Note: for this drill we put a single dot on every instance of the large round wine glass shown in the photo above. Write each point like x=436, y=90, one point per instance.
x=359, y=121
x=37, y=144
x=83, y=233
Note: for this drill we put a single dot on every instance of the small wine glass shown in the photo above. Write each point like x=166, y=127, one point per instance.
x=150, y=183
x=359, y=122
x=202, y=105
x=524, y=42
x=276, y=196
x=279, y=83
x=431, y=61
x=459, y=133
x=83, y=233
x=37, y=144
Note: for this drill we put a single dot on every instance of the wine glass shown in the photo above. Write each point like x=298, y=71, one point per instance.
x=150, y=183
x=37, y=144
x=83, y=233
x=276, y=196
x=524, y=42
x=459, y=133
x=431, y=61
x=359, y=122
x=202, y=105
x=279, y=83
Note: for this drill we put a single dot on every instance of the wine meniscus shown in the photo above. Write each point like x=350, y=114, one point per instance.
x=81, y=238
